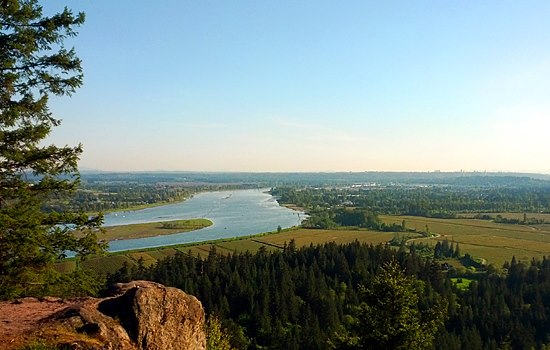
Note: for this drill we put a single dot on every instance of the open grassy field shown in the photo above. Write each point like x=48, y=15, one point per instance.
x=462, y=283
x=305, y=237
x=494, y=242
x=153, y=229
x=269, y=242
x=109, y=263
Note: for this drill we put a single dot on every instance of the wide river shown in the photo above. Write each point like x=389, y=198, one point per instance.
x=234, y=213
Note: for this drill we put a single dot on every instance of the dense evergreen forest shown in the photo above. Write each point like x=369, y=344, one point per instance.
x=313, y=297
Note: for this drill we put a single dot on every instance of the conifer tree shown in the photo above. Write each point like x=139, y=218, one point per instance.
x=34, y=64
x=390, y=317
x=456, y=253
x=216, y=336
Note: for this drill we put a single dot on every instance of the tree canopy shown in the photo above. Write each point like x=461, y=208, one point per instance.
x=34, y=64
x=390, y=318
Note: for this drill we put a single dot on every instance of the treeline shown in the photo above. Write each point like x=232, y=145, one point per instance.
x=101, y=196
x=118, y=191
x=441, y=195
x=432, y=201
x=310, y=298
x=329, y=179
x=513, y=221
x=117, y=196
x=104, y=197
x=346, y=217
x=444, y=249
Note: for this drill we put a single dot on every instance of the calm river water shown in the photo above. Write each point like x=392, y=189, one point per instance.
x=234, y=213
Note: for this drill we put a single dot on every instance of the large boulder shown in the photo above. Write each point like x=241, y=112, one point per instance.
x=157, y=317
x=142, y=315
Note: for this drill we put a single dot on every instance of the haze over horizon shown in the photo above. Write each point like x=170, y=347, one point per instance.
x=310, y=86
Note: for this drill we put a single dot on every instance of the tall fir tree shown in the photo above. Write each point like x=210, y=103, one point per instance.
x=34, y=64
x=390, y=317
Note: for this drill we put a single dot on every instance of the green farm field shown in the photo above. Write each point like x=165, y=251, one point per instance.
x=491, y=241
x=305, y=237
x=494, y=242
x=269, y=242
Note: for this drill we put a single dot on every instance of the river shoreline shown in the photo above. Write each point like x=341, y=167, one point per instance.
x=141, y=206
x=234, y=213
x=294, y=207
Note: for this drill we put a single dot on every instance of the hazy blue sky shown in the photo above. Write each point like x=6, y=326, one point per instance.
x=311, y=85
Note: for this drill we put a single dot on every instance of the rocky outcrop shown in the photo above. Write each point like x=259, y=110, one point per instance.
x=141, y=316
